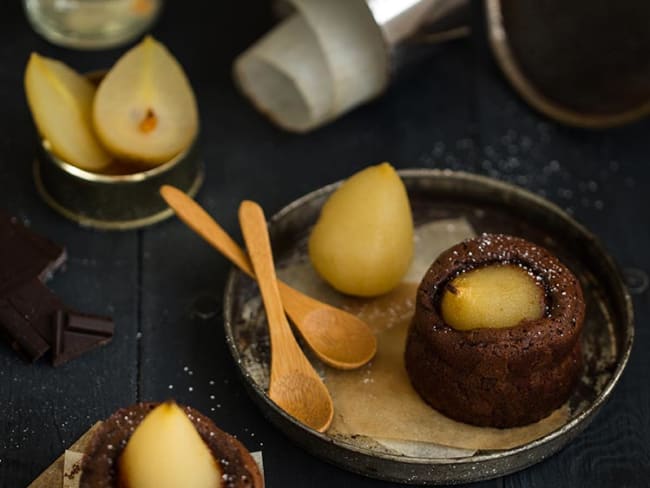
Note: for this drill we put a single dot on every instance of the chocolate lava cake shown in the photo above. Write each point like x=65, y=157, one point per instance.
x=497, y=377
x=100, y=465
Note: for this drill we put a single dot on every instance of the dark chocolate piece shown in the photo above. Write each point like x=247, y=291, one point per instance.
x=32, y=318
x=74, y=334
x=25, y=254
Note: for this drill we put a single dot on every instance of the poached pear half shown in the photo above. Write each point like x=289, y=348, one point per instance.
x=145, y=109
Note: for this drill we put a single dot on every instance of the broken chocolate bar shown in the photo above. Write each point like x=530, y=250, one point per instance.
x=32, y=318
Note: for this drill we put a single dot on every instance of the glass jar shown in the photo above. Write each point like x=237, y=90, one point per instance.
x=91, y=24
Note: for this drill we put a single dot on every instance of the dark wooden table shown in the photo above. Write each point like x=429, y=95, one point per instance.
x=456, y=112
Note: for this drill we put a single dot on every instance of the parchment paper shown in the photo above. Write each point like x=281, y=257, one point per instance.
x=61, y=471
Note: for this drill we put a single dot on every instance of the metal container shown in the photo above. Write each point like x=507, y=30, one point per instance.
x=114, y=202
x=490, y=206
x=590, y=70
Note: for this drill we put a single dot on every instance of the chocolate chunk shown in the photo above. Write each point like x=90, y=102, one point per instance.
x=25, y=254
x=74, y=334
x=32, y=318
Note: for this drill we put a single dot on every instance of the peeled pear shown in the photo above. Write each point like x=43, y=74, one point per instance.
x=61, y=103
x=145, y=109
x=362, y=243
x=494, y=296
x=166, y=451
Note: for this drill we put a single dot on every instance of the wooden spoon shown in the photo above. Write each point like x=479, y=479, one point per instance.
x=294, y=384
x=338, y=338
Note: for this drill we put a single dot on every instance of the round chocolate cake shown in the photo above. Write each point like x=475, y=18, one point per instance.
x=497, y=376
x=100, y=465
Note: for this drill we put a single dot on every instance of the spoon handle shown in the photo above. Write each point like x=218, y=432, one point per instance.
x=200, y=222
x=253, y=226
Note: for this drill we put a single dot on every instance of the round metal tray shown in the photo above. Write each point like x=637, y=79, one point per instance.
x=490, y=206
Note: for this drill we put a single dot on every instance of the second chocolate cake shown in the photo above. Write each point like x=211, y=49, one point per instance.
x=495, y=336
x=166, y=448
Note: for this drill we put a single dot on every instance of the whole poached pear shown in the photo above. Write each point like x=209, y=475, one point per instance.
x=362, y=243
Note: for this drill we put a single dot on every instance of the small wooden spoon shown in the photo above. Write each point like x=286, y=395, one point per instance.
x=294, y=384
x=338, y=338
